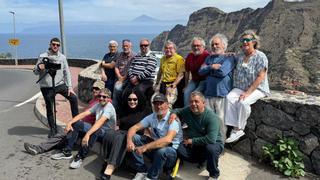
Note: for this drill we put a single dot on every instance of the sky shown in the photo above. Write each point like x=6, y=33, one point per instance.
x=40, y=11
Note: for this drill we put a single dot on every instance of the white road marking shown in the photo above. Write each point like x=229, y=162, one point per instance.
x=30, y=99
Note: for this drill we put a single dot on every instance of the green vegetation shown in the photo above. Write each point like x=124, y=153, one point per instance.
x=5, y=55
x=285, y=157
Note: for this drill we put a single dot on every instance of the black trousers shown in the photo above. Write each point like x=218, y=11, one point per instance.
x=49, y=97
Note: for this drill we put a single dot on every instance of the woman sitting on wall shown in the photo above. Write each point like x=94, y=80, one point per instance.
x=114, y=143
x=250, y=83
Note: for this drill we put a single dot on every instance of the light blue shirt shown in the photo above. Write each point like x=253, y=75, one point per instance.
x=107, y=111
x=160, y=128
x=246, y=73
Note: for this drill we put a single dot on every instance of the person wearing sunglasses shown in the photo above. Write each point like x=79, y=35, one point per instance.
x=250, y=83
x=194, y=60
x=142, y=70
x=59, y=139
x=105, y=119
x=108, y=63
x=218, y=67
x=62, y=84
x=114, y=143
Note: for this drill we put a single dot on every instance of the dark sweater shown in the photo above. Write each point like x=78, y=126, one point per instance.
x=204, y=128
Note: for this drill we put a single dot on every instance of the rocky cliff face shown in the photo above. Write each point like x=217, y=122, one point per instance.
x=290, y=33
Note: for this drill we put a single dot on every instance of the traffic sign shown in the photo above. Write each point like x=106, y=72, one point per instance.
x=14, y=42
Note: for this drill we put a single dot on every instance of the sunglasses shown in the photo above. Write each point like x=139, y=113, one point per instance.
x=95, y=88
x=103, y=96
x=55, y=44
x=245, y=40
x=132, y=99
x=144, y=45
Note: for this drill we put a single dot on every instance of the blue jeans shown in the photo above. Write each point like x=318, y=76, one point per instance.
x=198, y=154
x=84, y=127
x=161, y=158
x=193, y=86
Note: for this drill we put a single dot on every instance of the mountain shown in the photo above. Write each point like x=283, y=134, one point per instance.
x=145, y=18
x=290, y=33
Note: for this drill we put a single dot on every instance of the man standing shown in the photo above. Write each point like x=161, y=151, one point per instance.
x=60, y=137
x=193, y=63
x=170, y=72
x=161, y=146
x=142, y=71
x=123, y=63
x=105, y=119
x=203, y=140
x=62, y=82
x=108, y=63
x=218, y=68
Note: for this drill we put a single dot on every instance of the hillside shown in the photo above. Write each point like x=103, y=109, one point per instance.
x=290, y=33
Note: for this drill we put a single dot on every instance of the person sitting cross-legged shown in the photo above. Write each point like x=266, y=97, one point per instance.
x=203, y=140
x=105, y=119
x=160, y=147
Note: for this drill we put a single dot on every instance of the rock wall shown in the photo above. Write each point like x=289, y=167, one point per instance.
x=285, y=115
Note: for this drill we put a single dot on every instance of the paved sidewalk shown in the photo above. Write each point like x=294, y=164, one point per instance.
x=232, y=165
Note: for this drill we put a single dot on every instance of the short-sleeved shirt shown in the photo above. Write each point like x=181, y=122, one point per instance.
x=171, y=67
x=123, y=62
x=160, y=128
x=107, y=111
x=193, y=64
x=108, y=58
x=246, y=73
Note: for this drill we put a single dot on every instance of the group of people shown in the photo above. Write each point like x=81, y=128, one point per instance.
x=141, y=102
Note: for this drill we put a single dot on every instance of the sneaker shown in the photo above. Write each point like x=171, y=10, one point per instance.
x=212, y=178
x=76, y=163
x=140, y=176
x=63, y=155
x=235, y=135
x=103, y=177
x=32, y=149
x=146, y=178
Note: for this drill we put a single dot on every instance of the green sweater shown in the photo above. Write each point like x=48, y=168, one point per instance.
x=203, y=128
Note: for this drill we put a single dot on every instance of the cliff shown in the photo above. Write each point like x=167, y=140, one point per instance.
x=290, y=33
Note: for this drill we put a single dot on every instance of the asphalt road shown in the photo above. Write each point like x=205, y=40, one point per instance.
x=19, y=125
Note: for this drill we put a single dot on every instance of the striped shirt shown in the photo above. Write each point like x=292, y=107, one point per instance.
x=143, y=66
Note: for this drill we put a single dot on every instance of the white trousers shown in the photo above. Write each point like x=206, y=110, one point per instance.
x=237, y=112
x=218, y=104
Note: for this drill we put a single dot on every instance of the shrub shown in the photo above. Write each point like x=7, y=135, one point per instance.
x=285, y=157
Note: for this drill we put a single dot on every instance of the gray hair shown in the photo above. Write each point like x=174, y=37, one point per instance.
x=145, y=39
x=223, y=39
x=255, y=37
x=170, y=42
x=113, y=42
x=199, y=39
x=198, y=93
x=106, y=91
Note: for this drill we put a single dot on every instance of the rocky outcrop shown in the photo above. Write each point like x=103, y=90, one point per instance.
x=290, y=33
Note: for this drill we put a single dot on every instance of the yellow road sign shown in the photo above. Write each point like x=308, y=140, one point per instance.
x=14, y=42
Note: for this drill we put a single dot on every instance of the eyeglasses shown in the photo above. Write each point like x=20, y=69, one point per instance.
x=144, y=45
x=95, y=88
x=102, y=96
x=55, y=44
x=132, y=99
x=245, y=40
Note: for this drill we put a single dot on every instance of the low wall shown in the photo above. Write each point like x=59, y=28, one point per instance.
x=285, y=115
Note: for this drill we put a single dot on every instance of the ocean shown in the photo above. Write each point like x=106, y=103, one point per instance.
x=92, y=46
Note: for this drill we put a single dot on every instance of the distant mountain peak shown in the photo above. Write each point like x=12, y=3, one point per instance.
x=144, y=18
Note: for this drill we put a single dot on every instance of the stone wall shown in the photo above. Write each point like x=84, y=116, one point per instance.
x=285, y=115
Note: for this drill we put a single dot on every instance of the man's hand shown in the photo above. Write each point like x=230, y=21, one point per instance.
x=141, y=149
x=104, y=77
x=243, y=95
x=41, y=66
x=215, y=66
x=172, y=118
x=187, y=142
x=130, y=146
x=68, y=127
x=70, y=91
x=134, y=80
x=85, y=140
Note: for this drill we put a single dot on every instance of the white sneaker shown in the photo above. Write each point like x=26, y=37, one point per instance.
x=140, y=176
x=61, y=155
x=76, y=163
x=235, y=135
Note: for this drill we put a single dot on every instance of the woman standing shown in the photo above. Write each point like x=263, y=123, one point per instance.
x=250, y=84
x=114, y=143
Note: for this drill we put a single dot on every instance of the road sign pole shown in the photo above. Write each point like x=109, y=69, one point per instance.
x=14, y=37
